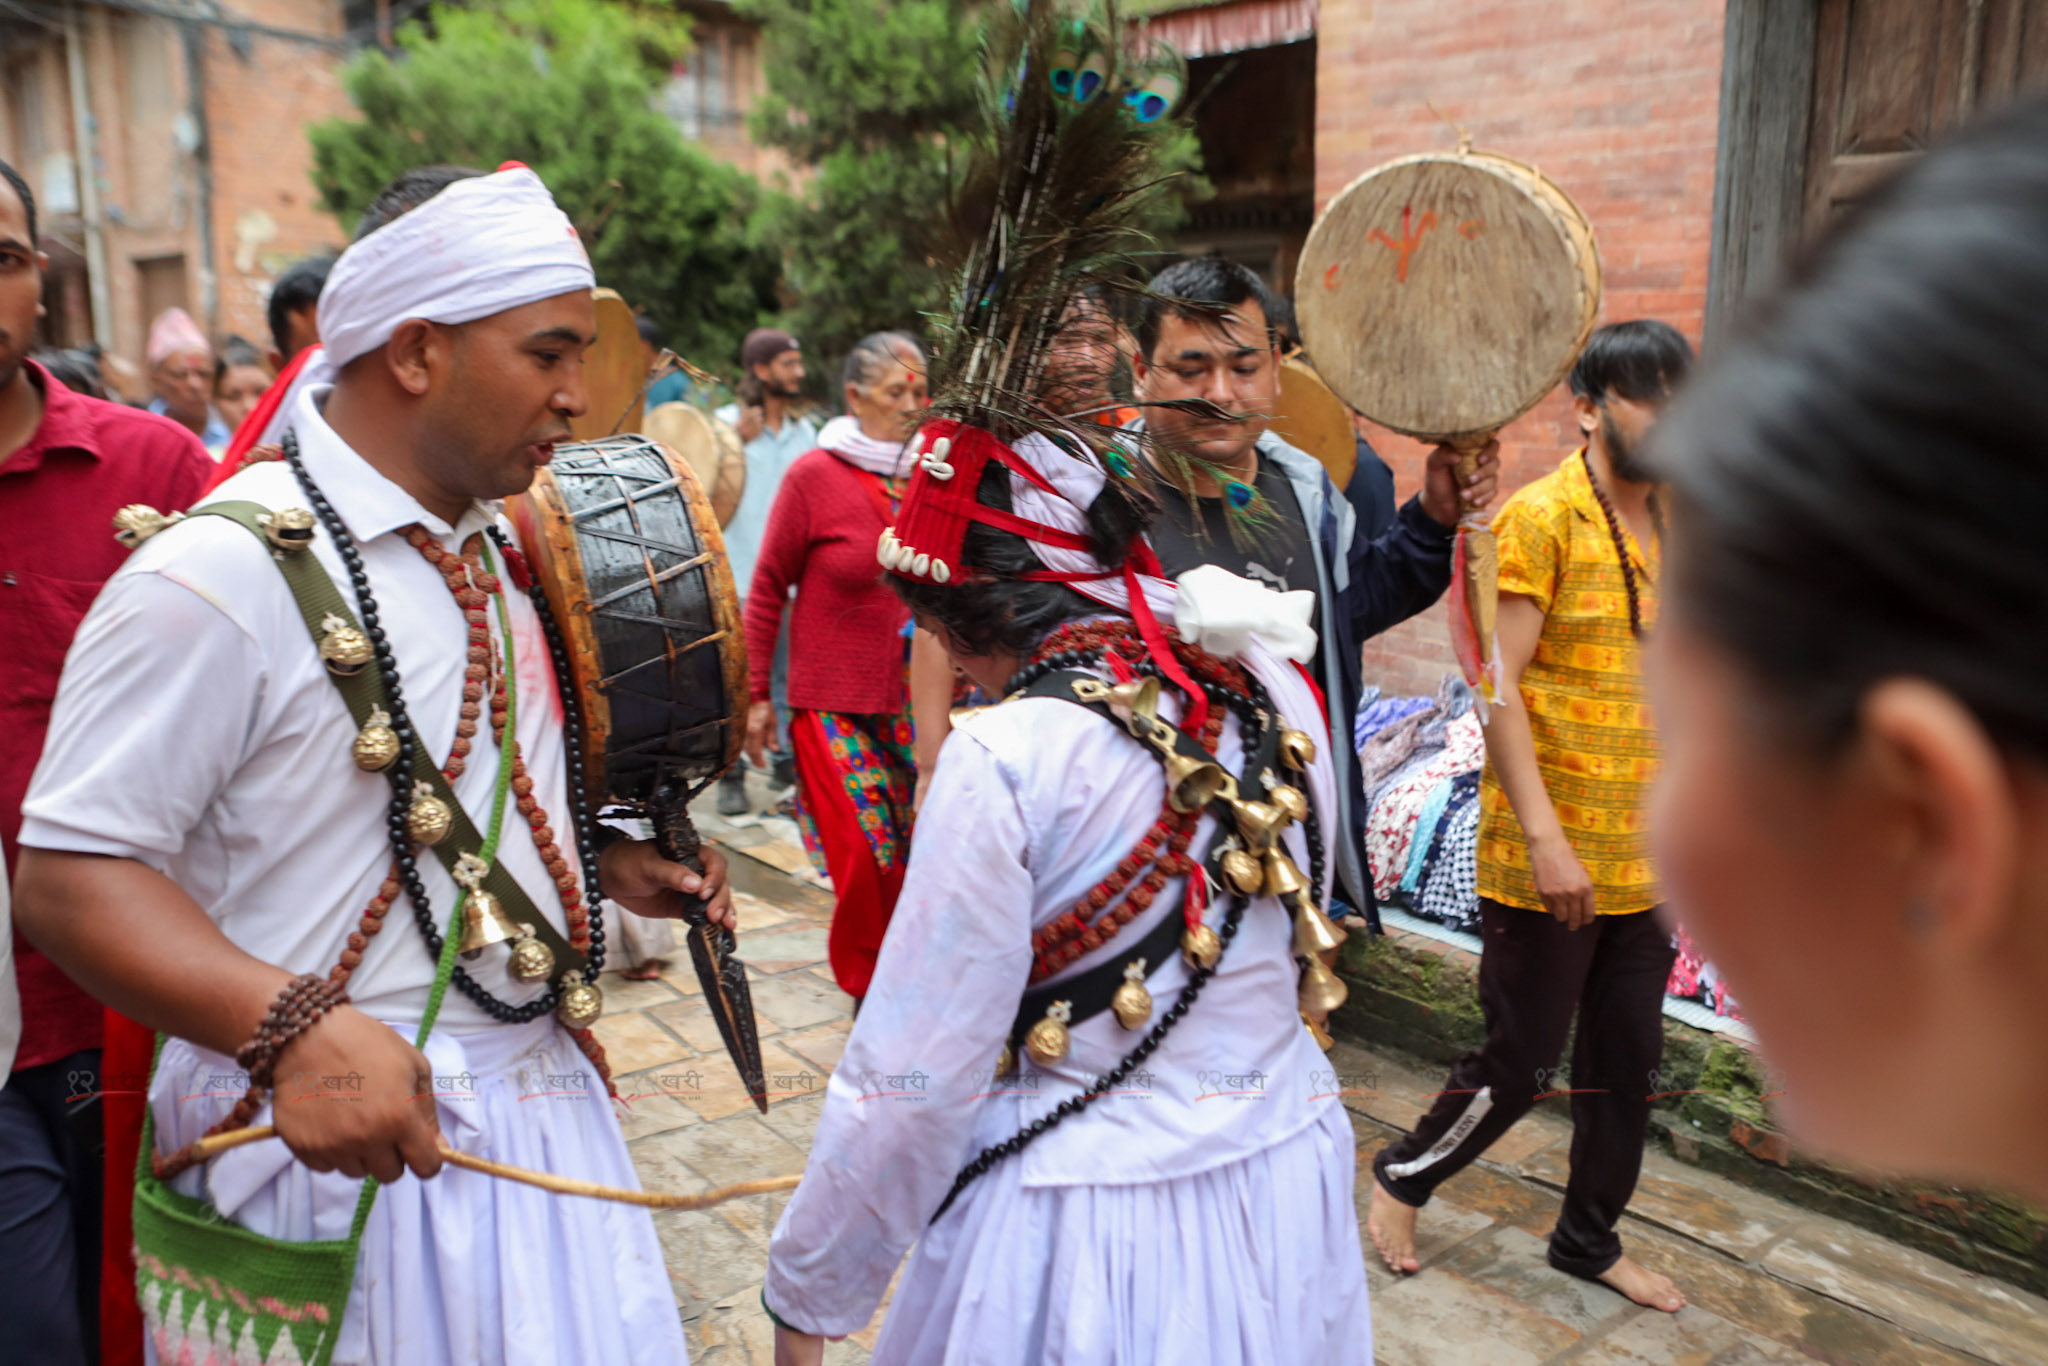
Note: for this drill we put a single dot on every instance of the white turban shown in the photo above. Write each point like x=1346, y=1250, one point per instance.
x=479, y=247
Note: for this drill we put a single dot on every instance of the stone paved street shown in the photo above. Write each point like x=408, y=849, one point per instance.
x=1769, y=1283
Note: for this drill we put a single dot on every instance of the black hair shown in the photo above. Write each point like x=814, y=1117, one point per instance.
x=1859, y=479
x=298, y=288
x=995, y=608
x=21, y=192
x=235, y=351
x=1202, y=288
x=1641, y=360
x=649, y=330
x=406, y=192
x=76, y=369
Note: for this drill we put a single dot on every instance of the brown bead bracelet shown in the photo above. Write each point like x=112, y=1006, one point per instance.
x=298, y=1007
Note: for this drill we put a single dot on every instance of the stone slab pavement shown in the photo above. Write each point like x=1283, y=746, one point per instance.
x=1769, y=1283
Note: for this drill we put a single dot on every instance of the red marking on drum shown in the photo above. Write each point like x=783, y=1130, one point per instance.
x=1330, y=275
x=1470, y=228
x=1411, y=238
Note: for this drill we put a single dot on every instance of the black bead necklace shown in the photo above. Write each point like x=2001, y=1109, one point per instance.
x=399, y=773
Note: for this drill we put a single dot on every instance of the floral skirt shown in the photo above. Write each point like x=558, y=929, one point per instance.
x=856, y=778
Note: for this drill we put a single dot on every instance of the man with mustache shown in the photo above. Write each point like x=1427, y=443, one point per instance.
x=274, y=904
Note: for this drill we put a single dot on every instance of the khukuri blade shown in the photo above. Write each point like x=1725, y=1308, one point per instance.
x=719, y=971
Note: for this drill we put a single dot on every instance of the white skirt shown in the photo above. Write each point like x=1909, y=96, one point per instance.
x=465, y=1269
x=1257, y=1263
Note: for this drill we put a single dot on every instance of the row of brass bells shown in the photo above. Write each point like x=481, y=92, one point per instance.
x=1282, y=878
x=1292, y=803
x=1242, y=872
x=1132, y=1002
x=1314, y=933
x=1258, y=824
x=1192, y=783
x=1047, y=1041
x=289, y=529
x=1321, y=990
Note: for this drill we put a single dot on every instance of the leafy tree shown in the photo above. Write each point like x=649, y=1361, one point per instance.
x=568, y=86
x=871, y=96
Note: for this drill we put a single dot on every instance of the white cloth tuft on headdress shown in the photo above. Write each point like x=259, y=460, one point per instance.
x=479, y=247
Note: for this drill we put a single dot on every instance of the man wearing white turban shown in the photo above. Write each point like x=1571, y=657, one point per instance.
x=234, y=894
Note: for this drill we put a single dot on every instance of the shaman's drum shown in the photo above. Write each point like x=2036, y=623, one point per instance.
x=628, y=551
x=1315, y=420
x=1444, y=295
x=712, y=447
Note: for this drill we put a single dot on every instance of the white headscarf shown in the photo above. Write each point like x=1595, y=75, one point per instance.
x=479, y=247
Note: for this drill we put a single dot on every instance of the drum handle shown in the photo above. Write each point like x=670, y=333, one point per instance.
x=1468, y=445
x=676, y=839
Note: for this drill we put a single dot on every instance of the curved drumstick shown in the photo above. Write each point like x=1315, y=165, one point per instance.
x=213, y=1146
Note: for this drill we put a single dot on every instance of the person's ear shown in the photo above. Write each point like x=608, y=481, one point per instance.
x=415, y=353
x=1141, y=367
x=1587, y=413
x=276, y=358
x=1948, y=798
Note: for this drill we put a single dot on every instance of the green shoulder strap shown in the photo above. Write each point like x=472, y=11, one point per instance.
x=314, y=589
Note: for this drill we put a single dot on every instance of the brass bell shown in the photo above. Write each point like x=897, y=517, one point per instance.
x=1283, y=879
x=1139, y=697
x=1047, y=1040
x=1258, y=824
x=376, y=743
x=1321, y=990
x=1314, y=933
x=1201, y=946
x=1317, y=1032
x=580, y=1007
x=1242, y=872
x=428, y=819
x=1291, y=802
x=1132, y=1002
x=1006, y=1062
x=1297, y=750
x=484, y=923
x=137, y=522
x=1192, y=784
x=343, y=648
x=288, y=529
x=532, y=961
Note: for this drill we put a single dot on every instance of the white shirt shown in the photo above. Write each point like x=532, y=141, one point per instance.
x=197, y=731
x=1031, y=804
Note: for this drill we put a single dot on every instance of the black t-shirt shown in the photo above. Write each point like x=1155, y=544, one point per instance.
x=1280, y=554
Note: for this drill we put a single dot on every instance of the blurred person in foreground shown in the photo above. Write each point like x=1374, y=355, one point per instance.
x=68, y=463
x=181, y=376
x=850, y=725
x=775, y=431
x=1567, y=893
x=1853, y=812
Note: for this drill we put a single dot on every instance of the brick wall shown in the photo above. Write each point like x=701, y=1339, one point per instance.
x=266, y=212
x=1617, y=103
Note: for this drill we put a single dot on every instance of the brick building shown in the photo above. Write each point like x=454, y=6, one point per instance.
x=169, y=154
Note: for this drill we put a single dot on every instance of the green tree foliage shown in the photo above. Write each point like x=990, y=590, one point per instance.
x=878, y=99
x=568, y=86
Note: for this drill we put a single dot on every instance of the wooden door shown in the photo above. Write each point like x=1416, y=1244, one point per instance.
x=1891, y=76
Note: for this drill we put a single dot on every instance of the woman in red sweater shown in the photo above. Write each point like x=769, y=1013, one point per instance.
x=849, y=719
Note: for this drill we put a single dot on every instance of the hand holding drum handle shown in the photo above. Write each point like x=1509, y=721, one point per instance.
x=1468, y=446
x=676, y=839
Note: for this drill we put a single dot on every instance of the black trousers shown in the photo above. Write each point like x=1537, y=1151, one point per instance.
x=50, y=1199
x=1534, y=974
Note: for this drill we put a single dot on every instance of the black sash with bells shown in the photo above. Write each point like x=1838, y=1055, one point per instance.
x=1244, y=861
x=327, y=613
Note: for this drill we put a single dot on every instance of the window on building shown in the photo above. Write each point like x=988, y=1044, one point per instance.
x=701, y=96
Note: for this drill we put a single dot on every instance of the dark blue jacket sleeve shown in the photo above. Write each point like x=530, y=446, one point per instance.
x=1398, y=574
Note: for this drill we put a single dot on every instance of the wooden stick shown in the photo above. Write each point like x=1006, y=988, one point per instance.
x=213, y=1146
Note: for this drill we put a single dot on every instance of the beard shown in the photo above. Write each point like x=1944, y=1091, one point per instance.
x=1623, y=456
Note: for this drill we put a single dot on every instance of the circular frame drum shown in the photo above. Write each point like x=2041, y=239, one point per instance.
x=712, y=447
x=629, y=554
x=1444, y=295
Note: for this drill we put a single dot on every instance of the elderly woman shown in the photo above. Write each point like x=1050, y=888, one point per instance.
x=849, y=720
x=1854, y=809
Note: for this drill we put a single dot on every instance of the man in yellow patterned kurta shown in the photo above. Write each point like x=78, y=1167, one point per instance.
x=1565, y=882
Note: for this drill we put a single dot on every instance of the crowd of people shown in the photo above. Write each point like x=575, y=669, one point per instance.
x=957, y=649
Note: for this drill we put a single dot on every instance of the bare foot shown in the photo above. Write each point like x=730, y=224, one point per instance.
x=644, y=972
x=1644, y=1286
x=1392, y=1226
